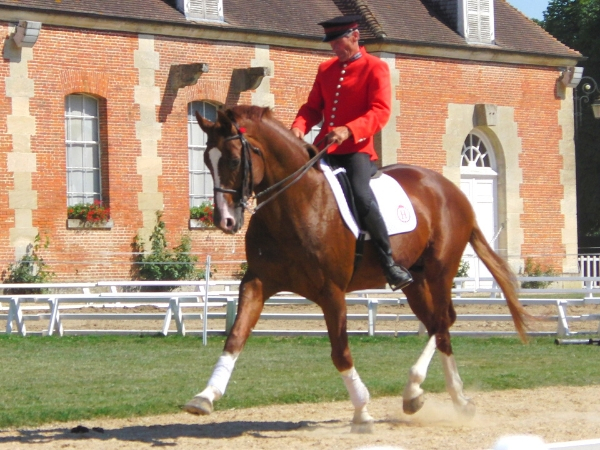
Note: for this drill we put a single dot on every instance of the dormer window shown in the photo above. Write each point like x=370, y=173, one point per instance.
x=201, y=9
x=476, y=21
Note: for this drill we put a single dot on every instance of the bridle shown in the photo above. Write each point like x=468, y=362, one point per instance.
x=244, y=192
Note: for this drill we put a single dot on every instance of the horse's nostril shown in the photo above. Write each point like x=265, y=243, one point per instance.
x=230, y=223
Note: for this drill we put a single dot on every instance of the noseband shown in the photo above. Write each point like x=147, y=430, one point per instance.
x=245, y=190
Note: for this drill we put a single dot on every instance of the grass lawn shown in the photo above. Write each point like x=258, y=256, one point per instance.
x=46, y=379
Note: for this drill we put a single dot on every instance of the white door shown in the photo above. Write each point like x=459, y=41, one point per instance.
x=478, y=182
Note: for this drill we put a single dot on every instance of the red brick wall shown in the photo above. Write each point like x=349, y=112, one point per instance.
x=102, y=64
x=427, y=86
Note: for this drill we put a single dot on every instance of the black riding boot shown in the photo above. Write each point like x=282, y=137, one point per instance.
x=396, y=275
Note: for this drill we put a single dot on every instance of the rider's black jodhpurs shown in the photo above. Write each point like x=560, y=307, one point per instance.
x=359, y=169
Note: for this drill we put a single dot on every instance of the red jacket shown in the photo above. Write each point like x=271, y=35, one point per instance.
x=356, y=94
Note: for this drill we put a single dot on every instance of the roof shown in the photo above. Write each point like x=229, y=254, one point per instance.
x=409, y=21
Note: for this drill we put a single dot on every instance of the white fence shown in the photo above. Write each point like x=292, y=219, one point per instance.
x=197, y=302
x=589, y=266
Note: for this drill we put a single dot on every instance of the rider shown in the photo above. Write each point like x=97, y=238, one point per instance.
x=352, y=95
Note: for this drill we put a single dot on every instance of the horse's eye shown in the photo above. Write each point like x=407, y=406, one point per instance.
x=234, y=164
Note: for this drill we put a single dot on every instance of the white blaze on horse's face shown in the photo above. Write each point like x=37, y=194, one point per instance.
x=226, y=212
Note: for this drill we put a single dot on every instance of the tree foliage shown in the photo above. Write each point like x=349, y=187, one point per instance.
x=576, y=23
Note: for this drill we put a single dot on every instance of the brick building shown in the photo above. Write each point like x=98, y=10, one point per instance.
x=96, y=100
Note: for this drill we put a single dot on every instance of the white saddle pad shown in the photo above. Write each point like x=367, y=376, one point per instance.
x=396, y=208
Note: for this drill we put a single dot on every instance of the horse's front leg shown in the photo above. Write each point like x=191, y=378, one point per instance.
x=334, y=310
x=251, y=303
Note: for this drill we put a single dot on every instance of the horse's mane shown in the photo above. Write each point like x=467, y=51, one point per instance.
x=250, y=112
x=266, y=116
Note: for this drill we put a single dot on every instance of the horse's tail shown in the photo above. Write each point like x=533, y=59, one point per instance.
x=505, y=278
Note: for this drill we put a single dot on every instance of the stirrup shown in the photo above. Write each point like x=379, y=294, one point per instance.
x=397, y=277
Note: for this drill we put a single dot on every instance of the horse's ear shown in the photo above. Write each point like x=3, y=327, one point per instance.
x=224, y=120
x=205, y=124
x=267, y=113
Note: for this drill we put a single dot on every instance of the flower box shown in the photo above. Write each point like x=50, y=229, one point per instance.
x=88, y=215
x=197, y=224
x=75, y=224
x=201, y=217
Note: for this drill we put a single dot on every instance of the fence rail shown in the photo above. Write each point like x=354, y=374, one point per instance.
x=216, y=301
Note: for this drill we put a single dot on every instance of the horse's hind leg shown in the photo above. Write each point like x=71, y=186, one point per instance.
x=430, y=300
x=250, y=306
x=454, y=385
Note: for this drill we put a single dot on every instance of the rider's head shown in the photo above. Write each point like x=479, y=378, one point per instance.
x=342, y=34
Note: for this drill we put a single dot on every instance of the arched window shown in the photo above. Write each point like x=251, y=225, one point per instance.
x=201, y=183
x=82, y=149
x=475, y=152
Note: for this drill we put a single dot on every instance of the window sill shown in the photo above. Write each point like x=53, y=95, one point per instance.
x=196, y=224
x=76, y=224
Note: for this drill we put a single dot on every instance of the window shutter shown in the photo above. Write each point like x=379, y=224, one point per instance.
x=480, y=21
x=203, y=9
x=212, y=9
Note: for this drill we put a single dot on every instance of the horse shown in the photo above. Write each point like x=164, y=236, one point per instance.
x=296, y=241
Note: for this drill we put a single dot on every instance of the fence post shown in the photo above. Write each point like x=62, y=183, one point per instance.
x=15, y=313
x=55, y=322
x=178, y=316
x=230, y=314
x=563, y=325
x=205, y=318
x=372, y=305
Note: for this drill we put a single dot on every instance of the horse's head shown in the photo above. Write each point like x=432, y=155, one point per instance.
x=228, y=156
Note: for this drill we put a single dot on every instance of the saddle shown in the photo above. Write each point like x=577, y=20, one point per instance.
x=395, y=206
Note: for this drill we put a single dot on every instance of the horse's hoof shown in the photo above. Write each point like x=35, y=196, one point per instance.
x=362, y=428
x=362, y=422
x=199, y=406
x=467, y=410
x=414, y=404
x=362, y=417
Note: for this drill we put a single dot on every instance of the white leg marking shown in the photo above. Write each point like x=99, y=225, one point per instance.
x=359, y=395
x=222, y=372
x=418, y=372
x=454, y=384
x=203, y=402
x=214, y=154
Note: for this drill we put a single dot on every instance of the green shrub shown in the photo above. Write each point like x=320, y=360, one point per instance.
x=31, y=268
x=534, y=269
x=463, y=269
x=162, y=264
x=243, y=269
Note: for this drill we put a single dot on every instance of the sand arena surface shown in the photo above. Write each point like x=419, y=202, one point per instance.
x=555, y=414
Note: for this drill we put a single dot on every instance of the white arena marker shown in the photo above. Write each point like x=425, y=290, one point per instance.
x=587, y=444
x=524, y=442
x=379, y=448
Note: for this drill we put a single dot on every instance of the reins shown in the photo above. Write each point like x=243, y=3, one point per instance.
x=248, y=183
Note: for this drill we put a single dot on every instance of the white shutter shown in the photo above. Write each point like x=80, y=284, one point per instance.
x=212, y=9
x=480, y=21
x=203, y=9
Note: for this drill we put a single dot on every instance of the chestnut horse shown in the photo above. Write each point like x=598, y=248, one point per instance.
x=296, y=241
